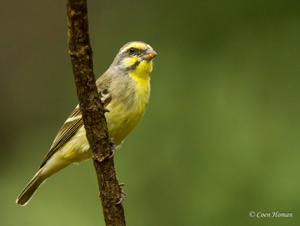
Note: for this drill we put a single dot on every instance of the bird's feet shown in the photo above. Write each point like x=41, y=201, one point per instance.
x=113, y=148
x=122, y=195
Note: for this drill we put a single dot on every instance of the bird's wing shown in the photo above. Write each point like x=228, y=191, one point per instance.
x=72, y=124
x=69, y=128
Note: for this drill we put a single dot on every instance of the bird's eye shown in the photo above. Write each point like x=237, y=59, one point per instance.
x=133, y=51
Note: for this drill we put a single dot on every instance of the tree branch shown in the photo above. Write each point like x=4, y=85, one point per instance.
x=93, y=112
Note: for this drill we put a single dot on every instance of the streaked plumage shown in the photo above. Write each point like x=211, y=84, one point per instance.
x=124, y=90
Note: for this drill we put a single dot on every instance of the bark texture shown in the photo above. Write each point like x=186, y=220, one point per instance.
x=93, y=112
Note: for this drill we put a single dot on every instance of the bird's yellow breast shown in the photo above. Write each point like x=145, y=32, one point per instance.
x=125, y=113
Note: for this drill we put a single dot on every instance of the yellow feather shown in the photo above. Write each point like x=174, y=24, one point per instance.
x=129, y=99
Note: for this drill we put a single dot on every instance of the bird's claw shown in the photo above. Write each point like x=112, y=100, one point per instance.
x=123, y=195
x=113, y=148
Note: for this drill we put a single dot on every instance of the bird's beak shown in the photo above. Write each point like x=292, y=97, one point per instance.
x=149, y=54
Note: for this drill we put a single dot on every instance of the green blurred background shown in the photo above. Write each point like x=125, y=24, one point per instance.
x=220, y=137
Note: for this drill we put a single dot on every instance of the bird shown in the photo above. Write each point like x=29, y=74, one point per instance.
x=124, y=90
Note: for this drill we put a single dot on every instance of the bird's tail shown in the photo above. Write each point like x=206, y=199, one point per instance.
x=30, y=188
